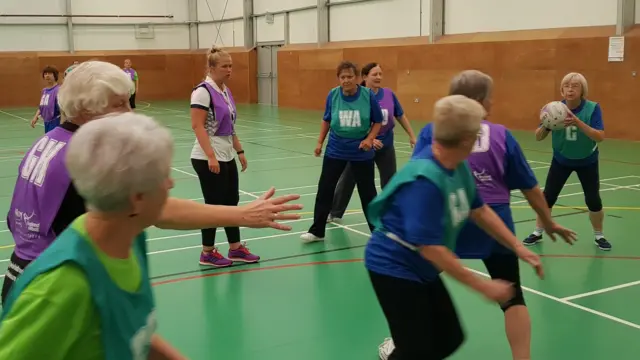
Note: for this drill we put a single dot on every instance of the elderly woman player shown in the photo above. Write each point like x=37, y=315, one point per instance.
x=94, y=281
x=413, y=243
x=48, y=200
x=575, y=149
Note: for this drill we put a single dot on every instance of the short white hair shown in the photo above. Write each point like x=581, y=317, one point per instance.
x=473, y=84
x=456, y=118
x=88, y=87
x=577, y=77
x=116, y=156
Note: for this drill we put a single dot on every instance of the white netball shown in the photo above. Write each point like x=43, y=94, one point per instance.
x=553, y=114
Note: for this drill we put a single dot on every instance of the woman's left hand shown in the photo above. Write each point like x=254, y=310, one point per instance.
x=366, y=144
x=377, y=144
x=571, y=119
x=243, y=161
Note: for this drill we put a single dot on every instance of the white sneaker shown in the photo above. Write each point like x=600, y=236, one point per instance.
x=386, y=348
x=309, y=238
x=331, y=219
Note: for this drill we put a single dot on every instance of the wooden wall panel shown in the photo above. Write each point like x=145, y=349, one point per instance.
x=164, y=75
x=527, y=68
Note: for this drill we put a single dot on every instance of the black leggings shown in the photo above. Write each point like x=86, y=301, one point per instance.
x=16, y=267
x=363, y=172
x=422, y=319
x=589, y=176
x=385, y=159
x=132, y=101
x=218, y=189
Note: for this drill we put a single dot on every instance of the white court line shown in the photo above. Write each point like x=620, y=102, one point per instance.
x=582, y=193
x=195, y=176
x=631, y=187
x=19, y=117
x=330, y=227
x=261, y=160
x=601, y=291
x=539, y=293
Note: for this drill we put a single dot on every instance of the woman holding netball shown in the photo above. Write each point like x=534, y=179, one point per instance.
x=48, y=108
x=213, y=117
x=352, y=118
x=575, y=148
x=385, y=154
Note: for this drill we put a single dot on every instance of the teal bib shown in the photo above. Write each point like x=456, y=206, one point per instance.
x=351, y=119
x=458, y=190
x=127, y=320
x=573, y=143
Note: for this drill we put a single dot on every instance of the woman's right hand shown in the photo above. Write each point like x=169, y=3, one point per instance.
x=318, y=149
x=214, y=165
x=498, y=290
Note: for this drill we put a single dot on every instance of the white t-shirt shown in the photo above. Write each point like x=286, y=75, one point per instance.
x=222, y=145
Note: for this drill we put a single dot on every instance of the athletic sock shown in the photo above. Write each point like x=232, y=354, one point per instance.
x=599, y=235
x=538, y=231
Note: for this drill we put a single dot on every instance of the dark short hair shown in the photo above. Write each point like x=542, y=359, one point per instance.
x=51, y=70
x=366, y=70
x=346, y=65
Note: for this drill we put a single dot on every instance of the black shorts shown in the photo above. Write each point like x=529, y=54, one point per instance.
x=15, y=269
x=506, y=266
x=422, y=319
x=132, y=100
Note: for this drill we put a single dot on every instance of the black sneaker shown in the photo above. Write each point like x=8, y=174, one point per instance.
x=603, y=244
x=532, y=239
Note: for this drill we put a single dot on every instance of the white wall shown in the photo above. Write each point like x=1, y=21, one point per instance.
x=228, y=33
x=359, y=21
x=379, y=19
x=469, y=16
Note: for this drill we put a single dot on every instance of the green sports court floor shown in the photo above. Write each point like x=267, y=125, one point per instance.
x=314, y=301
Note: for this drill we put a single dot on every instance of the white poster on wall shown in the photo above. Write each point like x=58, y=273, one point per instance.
x=616, y=48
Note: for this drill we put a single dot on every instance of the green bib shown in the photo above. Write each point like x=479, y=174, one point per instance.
x=573, y=143
x=351, y=119
x=458, y=190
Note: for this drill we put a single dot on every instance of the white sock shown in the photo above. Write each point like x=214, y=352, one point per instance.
x=538, y=231
x=599, y=235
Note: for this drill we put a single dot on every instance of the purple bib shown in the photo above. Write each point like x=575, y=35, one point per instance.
x=131, y=72
x=487, y=163
x=43, y=181
x=388, y=111
x=48, y=102
x=222, y=115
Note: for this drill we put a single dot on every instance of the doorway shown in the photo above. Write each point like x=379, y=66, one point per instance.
x=268, y=73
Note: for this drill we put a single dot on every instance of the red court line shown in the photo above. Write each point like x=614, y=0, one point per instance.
x=314, y=263
x=275, y=267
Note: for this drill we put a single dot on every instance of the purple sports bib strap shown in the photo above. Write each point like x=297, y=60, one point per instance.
x=42, y=184
x=224, y=110
x=131, y=72
x=388, y=111
x=48, y=102
x=487, y=163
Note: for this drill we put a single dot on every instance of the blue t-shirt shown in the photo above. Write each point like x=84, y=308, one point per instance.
x=398, y=111
x=348, y=149
x=596, y=123
x=473, y=242
x=416, y=214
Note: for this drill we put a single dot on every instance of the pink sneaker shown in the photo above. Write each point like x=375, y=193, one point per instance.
x=214, y=258
x=243, y=254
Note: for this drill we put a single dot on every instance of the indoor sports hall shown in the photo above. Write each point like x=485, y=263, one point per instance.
x=315, y=301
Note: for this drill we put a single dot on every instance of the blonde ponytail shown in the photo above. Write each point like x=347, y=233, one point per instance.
x=214, y=54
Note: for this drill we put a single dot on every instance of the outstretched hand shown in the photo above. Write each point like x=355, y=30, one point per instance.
x=568, y=235
x=266, y=211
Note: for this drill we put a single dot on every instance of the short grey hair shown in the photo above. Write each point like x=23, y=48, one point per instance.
x=456, y=118
x=88, y=87
x=577, y=77
x=116, y=156
x=473, y=84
